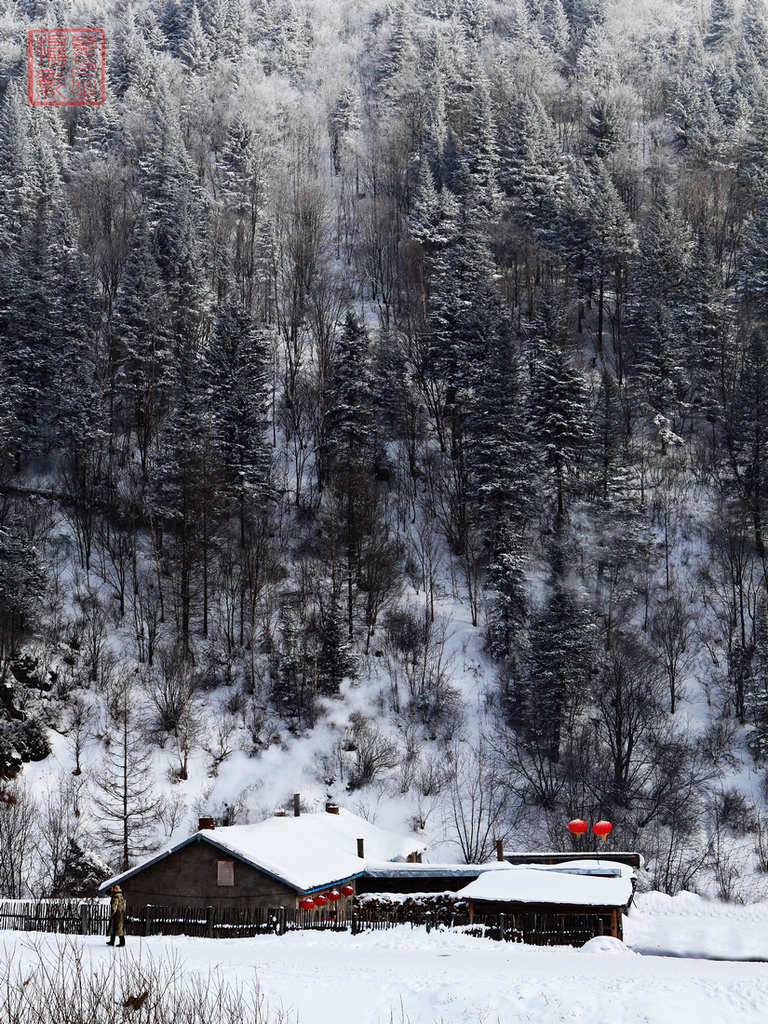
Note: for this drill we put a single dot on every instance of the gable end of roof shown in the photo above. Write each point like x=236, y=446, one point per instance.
x=198, y=837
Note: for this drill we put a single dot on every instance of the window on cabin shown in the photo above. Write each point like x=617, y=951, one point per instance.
x=225, y=874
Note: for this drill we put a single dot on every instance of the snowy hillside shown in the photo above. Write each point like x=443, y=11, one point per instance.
x=383, y=419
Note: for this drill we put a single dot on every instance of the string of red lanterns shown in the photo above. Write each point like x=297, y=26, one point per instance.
x=578, y=827
x=314, y=903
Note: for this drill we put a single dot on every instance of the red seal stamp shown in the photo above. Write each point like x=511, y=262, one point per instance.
x=66, y=67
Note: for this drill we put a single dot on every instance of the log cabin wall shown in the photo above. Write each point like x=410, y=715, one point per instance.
x=190, y=877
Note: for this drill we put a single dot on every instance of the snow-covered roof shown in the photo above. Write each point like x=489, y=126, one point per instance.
x=608, y=869
x=307, y=852
x=546, y=885
x=407, y=870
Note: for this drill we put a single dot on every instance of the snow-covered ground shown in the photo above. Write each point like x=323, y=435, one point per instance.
x=405, y=975
x=688, y=926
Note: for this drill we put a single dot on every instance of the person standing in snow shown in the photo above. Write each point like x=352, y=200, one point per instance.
x=116, y=917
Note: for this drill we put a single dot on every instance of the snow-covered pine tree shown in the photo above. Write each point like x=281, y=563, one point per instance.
x=558, y=418
x=196, y=49
x=236, y=381
x=720, y=25
x=708, y=334
x=660, y=375
x=747, y=436
x=531, y=166
x=349, y=430
x=130, y=59
x=479, y=161
x=560, y=658
x=141, y=337
x=756, y=689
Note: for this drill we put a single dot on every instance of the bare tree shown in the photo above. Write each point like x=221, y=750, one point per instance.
x=61, y=829
x=628, y=705
x=672, y=628
x=374, y=752
x=481, y=807
x=80, y=723
x=18, y=813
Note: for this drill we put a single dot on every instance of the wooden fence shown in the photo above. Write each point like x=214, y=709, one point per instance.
x=537, y=928
x=91, y=917
x=68, y=916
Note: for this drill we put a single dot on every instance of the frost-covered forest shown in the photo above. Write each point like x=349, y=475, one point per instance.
x=383, y=415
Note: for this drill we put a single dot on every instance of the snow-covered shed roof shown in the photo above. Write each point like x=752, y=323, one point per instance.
x=404, y=869
x=307, y=852
x=597, y=867
x=552, y=885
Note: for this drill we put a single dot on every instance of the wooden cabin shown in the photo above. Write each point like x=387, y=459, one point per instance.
x=272, y=863
x=566, y=903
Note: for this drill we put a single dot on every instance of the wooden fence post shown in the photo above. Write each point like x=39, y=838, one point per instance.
x=85, y=919
x=501, y=927
x=209, y=922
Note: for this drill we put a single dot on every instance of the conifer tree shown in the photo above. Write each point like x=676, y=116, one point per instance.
x=141, y=335
x=125, y=800
x=558, y=406
x=663, y=254
x=16, y=168
x=478, y=165
x=560, y=657
x=531, y=169
x=130, y=58
x=236, y=379
x=721, y=24
x=756, y=690
x=196, y=49
x=707, y=331
x=747, y=437
x=335, y=660
x=507, y=613
x=604, y=126
x=349, y=429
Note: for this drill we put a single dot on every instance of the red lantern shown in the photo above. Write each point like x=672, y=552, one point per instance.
x=602, y=829
x=320, y=901
x=348, y=890
x=577, y=827
x=307, y=904
x=334, y=895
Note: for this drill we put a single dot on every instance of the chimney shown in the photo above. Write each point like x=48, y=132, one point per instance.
x=205, y=823
x=296, y=804
x=332, y=808
x=361, y=848
x=499, y=849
